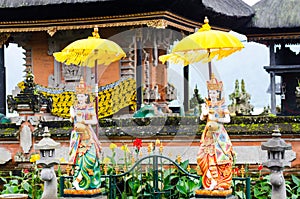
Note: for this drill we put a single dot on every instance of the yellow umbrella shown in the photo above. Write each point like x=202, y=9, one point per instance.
x=84, y=52
x=90, y=52
x=203, y=45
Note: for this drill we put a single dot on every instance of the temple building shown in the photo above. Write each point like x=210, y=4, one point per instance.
x=276, y=24
x=44, y=27
x=144, y=30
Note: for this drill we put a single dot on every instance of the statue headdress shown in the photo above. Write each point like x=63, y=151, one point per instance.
x=82, y=88
x=214, y=84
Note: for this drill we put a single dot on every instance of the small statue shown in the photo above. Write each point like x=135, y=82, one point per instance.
x=195, y=102
x=215, y=156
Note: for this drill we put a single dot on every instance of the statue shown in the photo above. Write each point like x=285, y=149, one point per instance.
x=195, y=102
x=215, y=156
x=85, y=147
x=240, y=100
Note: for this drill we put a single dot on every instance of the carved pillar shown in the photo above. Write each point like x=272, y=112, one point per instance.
x=139, y=69
x=272, y=79
x=273, y=97
x=3, y=39
x=186, y=88
x=2, y=82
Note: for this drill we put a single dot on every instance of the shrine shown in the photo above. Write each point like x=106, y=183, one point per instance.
x=141, y=29
x=276, y=25
x=138, y=82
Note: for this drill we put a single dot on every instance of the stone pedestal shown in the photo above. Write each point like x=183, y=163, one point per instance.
x=216, y=197
x=14, y=196
x=216, y=194
x=90, y=193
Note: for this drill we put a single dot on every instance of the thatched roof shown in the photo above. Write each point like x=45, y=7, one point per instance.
x=235, y=8
x=274, y=21
x=276, y=14
x=222, y=13
x=25, y=3
x=229, y=7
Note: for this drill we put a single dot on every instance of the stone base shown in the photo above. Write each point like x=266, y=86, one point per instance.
x=14, y=196
x=217, y=197
x=73, y=193
x=95, y=197
x=216, y=194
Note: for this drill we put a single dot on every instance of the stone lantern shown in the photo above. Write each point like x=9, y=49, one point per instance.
x=47, y=160
x=276, y=162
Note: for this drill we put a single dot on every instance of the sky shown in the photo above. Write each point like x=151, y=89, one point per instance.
x=246, y=64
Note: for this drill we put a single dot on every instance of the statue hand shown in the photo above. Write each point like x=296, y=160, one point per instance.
x=204, y=109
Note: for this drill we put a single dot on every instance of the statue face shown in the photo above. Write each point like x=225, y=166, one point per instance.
x=213, y=94
x=82, y=98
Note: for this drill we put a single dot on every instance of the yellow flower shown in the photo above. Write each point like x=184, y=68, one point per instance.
x=124, y=148
x=106, y=160
x=62, y=160
x=112, y=146
x=157, y=142
x=21, y=85
x=34, y=157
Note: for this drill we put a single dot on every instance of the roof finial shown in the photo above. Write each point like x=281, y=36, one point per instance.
x=205, y=26
x=95, y=33
x=206, y=20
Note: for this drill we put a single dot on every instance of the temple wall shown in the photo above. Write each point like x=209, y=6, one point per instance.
x=42, y=63
x=248, y=149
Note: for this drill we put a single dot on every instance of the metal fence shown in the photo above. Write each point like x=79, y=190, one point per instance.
x=157, y=176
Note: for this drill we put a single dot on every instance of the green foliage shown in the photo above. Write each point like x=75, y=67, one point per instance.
x=28, y=182
x=143, y=180
x=293, y=187
x=176, y=184
x=262, y=188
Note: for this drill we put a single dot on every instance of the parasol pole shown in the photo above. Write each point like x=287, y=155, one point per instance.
x=209, y=66
x=96, y=93
x=209, y=70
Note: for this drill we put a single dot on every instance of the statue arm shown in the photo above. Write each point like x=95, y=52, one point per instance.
x=204, y=112
x=92, y=118
x=226, y=118
x=72, y=114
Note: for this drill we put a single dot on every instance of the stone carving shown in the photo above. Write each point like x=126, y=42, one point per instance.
x=5, y=156
x=195, y=102
x=171, y=92
x=47, y=147
x=25, y=138
x=240, y=100
x=276, y=162
x=50, y=183
x=71, y=73
x=28, y=101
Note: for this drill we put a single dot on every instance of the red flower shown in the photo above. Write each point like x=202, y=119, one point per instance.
x=260, y=167
x=137, y=143
x=236, y=171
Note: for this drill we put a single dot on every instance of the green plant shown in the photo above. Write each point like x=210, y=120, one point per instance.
x=144, y=179
x=177, y=184
x=262, y=188
x=28, y=182
x=293, y=187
